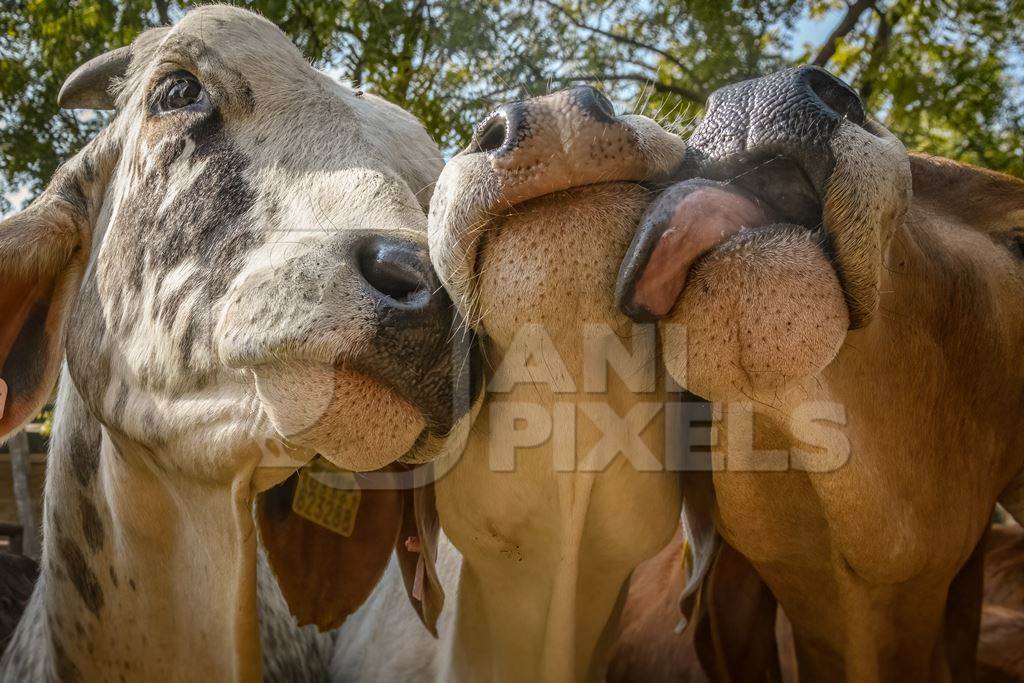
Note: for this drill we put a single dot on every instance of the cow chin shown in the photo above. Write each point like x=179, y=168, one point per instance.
x=354, y=421
x=761, y=311
x=553, y=260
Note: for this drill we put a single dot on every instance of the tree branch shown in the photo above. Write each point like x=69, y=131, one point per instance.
x=162, y=12
x=660, y=86
x=618, y=37
x=879, y=49
x=849, y=21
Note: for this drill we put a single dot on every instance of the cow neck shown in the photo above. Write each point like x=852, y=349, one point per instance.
x=937, y=350
x=144, y=573
x=569, y=537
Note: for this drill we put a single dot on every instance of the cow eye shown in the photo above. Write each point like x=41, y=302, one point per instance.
x=181, y=90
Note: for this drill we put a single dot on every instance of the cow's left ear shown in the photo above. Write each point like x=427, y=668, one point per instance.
x=327, y=568
x=42, y=257
x=417, y=551
x=44, y=251
x=700, y=538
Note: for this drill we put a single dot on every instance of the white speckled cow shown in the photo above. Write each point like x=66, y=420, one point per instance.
x=234, y=268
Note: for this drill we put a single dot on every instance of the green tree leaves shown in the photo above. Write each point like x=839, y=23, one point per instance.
x=41, y=41
x=945, y=76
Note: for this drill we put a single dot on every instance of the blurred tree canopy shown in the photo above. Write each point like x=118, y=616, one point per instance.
x=944, y=75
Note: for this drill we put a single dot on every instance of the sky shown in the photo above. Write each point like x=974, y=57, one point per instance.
x=814, y=31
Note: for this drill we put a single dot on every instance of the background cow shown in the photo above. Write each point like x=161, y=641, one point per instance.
x=652, y=646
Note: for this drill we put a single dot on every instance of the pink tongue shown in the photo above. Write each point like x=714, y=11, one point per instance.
x=702, y=220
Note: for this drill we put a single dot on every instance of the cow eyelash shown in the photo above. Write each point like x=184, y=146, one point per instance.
x=180, y=91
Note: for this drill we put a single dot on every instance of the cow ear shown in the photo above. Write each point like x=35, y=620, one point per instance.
x=328, y=544
x=44, y=249
x=327, y=568
x=701, y=539
x=729, y=608
x=734, y=629
x=417, y=550
x=42, y=257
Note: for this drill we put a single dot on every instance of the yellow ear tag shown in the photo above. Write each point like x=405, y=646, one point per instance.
x=328, y=497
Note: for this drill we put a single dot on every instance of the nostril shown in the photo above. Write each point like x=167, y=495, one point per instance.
x=396, y=271
x=835, y=94
x=490, y=136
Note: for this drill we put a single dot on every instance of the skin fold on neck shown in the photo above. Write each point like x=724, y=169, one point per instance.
x=549, y=541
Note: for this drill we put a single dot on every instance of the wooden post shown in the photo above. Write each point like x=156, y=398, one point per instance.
x=21, y=466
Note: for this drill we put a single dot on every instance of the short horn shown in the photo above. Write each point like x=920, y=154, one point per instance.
x=88, y=86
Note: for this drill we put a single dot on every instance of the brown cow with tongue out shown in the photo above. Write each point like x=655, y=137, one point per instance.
x=699, y=216
x=854, y=313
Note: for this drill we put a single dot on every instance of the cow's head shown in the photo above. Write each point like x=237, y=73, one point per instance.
x=529, y=223
x=774, y=248
x=806, y=257
x=528, y=237
x=239, y=256
x=236, y=267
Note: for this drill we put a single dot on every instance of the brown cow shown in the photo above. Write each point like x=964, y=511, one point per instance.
x=1001, y=643
x=856, y=315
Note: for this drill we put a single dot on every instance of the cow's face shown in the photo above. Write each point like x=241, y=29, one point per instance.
x=528, y=225
x=250, y=243
x=772, y=235
x=774, y=247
